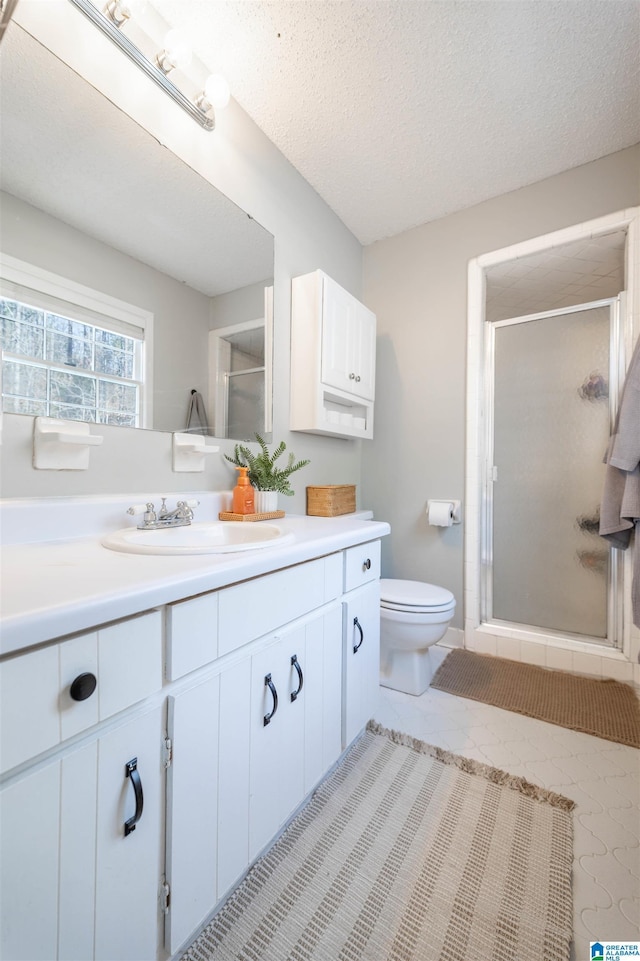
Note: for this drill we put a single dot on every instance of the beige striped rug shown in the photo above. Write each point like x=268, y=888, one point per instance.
x=604, y=708
x=407, y=853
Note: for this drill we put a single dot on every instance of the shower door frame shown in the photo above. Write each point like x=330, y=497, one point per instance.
x=616, y=378
x=536, y=645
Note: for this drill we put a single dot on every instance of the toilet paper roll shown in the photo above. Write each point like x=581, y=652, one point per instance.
x=440, y=513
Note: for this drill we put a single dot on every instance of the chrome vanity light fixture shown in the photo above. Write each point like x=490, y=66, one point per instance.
x=174, y=54
x=6, y=12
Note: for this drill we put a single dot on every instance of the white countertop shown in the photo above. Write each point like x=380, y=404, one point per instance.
x=58, y=587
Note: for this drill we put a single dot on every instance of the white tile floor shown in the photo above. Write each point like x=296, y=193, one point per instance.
x=602, y=777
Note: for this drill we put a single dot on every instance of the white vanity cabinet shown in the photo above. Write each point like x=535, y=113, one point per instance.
x=333, y=359
x=130, y=809
x=81, y=826
x=247, y=750
x=295, y=707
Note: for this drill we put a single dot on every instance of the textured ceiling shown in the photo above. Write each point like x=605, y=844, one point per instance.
x=400, y=112
x=576, y=273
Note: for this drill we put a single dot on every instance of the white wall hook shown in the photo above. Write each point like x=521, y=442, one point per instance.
x=62, y=444
x=189, y=452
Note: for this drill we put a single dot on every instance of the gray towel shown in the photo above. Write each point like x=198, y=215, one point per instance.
x=620, y=506
x=625, y=446
x=197, y=415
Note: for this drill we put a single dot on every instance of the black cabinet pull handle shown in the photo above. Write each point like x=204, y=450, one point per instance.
x=131, y=770
x=274, y=694
x=294, y=663
x=83, y=687
x=367, y=564
x=356, y=647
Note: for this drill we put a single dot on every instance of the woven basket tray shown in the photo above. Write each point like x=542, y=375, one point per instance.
x=267, y=516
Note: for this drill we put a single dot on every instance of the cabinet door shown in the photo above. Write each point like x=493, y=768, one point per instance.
x=47, y=879
x=303, y=737
x=338, y=320
x=29, y=818
x=311, y=662
x=277, y=740
x=348, y=342
x=192, y=822
x=128, y=867
x=361, y=658
x=322, y=694
x=233, y=774
x=363, y=344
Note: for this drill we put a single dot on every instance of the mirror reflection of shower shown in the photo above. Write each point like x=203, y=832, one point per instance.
x=240, y=371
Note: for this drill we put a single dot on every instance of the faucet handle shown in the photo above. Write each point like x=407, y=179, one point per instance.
x=146, y=509
x=185, y=508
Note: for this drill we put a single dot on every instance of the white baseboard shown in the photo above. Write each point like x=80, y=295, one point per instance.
x=453, y=638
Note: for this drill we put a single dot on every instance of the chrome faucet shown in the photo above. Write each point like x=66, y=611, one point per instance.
x=152, y=521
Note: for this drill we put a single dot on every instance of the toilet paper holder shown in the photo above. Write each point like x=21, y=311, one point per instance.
x=454, y=509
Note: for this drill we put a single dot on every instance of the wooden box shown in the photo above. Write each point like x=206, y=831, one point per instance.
x=332, y=500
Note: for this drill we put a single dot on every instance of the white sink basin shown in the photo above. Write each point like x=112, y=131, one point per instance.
x=214, y=538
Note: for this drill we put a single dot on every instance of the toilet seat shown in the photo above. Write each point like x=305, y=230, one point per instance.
x=414, y=597
x=404, y=609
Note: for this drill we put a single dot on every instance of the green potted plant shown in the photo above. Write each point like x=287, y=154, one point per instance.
x=266, y=476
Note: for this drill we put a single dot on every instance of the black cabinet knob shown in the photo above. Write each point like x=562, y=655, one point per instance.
x=367, y=564
x=83, y=687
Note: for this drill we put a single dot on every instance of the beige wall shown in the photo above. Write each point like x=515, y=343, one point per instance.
x=416, y=283
x=239, y=306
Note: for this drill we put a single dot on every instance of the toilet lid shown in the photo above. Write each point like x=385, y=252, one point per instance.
x=408, y=595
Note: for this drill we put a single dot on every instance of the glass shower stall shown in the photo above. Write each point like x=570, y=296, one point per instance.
x=552, y=382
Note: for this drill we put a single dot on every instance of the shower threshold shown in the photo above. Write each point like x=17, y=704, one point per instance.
x=548, y=637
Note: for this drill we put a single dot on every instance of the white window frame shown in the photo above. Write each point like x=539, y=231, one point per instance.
x=106, y=311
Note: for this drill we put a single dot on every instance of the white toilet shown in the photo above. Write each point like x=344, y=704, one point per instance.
x=413, y=617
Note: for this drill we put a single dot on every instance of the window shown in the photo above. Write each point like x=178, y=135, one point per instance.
x=63, y=359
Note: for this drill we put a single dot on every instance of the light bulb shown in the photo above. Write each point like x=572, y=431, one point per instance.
x=119, y=11
x=216, y=91
x=177, y=52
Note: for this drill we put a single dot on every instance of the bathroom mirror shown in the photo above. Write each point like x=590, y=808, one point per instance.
x=92, y=200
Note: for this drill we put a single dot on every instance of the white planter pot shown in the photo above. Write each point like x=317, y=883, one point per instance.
x=266, y=501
